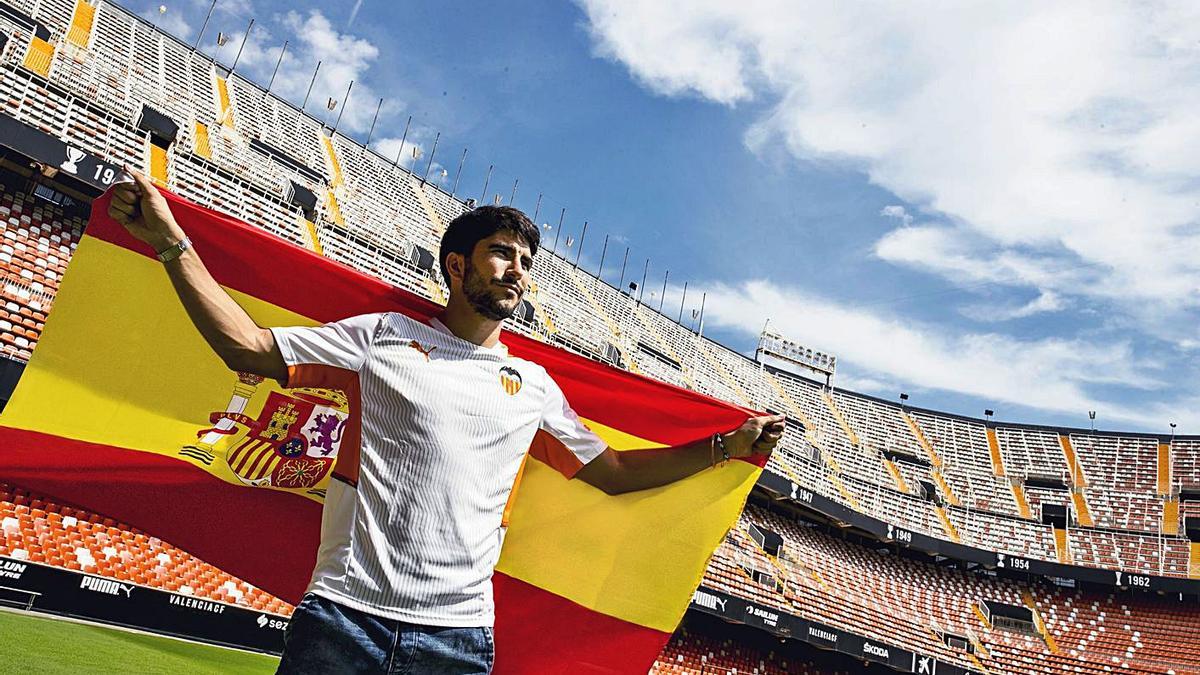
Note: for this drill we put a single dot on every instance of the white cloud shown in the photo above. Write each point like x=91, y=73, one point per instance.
x=1045, y=302
x=172, y=22
x=879, y=349
x=898, y=212
x=390, y=147
x=344, y=58
x=1048, y=145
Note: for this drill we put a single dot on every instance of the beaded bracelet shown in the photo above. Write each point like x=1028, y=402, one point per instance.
x=719, y=442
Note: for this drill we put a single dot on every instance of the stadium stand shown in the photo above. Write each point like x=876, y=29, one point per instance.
x=913, y=602
x=41, y=531
x=243, y=151
x=704, y=646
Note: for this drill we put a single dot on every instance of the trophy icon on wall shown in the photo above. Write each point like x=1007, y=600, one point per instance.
x=73, y=157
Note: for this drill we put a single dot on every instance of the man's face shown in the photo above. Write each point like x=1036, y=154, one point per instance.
x=496, y=275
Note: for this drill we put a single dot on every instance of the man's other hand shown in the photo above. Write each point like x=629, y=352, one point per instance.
x=756, y=436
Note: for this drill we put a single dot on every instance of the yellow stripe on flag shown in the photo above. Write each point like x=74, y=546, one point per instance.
x=610, y=553
x=98, y=402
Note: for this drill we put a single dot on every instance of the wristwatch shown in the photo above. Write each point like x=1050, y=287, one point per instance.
x=172, y=252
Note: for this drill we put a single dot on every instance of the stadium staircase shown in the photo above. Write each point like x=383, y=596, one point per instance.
x=539, y=311
x=935, y=460
x=1163, y=469
x=310, y=229
x=82, y=19
x=896, y=476
x=1062, y=546
x=614, y=329
x=427, y=206
x=840, y=418
x=715, y=365
x=1039, y=623
x=224, y=104
x=1079, y=482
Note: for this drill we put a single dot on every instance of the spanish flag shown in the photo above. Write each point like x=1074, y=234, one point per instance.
x=125, y=411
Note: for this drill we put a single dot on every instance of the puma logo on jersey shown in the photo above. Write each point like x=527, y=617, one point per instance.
x=424, y=352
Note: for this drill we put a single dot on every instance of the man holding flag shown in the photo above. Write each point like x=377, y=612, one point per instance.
x=443, y=417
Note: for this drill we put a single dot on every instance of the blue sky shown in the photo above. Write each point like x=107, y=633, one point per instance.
x=985, y=207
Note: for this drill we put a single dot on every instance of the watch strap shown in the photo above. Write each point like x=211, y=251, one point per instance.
x=172, y=252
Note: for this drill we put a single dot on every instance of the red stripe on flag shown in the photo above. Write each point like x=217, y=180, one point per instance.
x=540, y=632
x=264, y=536
x=260, y=264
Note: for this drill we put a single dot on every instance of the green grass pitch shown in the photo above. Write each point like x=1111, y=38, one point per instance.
x=32, y=644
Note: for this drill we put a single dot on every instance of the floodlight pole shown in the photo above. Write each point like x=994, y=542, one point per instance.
x=403, y=138
x=458, y=174
x=245, y=37
x=603, y=252
x=681, y=301
x=373, y=120
x=345, y=102
x=558, y=230
x=642, y=288
x=537, y=208
x=579, y=251
x=432, y=152
x=512, y=197
x=486, y=181
x=204, y=26
x=276, y=71
x=621, y=283
x=310, y=85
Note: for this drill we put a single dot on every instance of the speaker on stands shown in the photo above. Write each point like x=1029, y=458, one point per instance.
x=1055, y=515
x=767, y=540
x=304, y=198
x=422, y=258
x=162, y=129
x=1191, y=525
x=525, y=311
x=929, y=492
x=10, y=372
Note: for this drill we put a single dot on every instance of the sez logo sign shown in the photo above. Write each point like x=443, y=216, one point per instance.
x=265, y=621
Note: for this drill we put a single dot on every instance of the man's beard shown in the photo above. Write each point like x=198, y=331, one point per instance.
x=477, y=289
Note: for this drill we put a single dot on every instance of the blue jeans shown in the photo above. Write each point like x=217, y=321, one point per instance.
x=325, y=637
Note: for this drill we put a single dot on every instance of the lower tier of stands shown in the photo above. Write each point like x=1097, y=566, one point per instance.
x=861, y=587
x=708, y=646
x=872, y=590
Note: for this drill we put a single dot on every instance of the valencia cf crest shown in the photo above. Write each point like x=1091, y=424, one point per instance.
x=510, y=379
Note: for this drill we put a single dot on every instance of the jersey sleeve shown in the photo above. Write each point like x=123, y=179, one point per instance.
x=561, y=422
x=324, y=356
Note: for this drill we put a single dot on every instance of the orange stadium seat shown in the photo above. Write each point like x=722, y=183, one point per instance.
x=43, y=531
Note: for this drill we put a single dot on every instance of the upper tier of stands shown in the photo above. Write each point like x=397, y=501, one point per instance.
x=243, y=151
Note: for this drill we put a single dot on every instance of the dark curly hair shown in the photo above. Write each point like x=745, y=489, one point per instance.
x=467, y=230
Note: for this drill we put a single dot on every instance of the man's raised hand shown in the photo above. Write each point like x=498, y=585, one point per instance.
x=144, y=212
x=756, y=436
